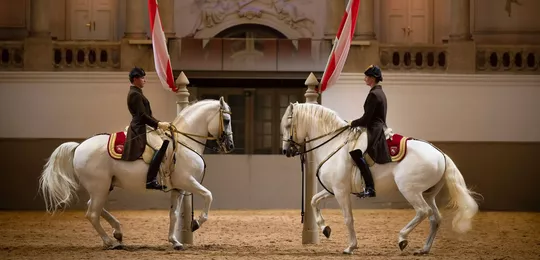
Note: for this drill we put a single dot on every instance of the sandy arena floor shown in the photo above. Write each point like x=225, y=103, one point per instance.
x=265, y=235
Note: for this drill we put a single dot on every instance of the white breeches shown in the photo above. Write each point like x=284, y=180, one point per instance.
x=362, y=141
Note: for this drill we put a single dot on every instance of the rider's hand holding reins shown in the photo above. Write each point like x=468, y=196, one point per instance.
x=164, y=125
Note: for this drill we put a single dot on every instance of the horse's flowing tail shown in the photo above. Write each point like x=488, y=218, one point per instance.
x=460, y=197
x=58, y=182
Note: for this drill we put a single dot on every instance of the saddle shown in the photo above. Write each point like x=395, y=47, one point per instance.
x=397, y=146
x=154, y=140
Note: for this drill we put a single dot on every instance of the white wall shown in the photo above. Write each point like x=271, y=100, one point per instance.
x=449, y=107
x=79, y=104
x=72, y=104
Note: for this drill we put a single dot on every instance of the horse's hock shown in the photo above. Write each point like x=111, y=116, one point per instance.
x=265, y=234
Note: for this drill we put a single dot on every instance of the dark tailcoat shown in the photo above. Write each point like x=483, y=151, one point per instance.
x=374, y=119
x=140, y=110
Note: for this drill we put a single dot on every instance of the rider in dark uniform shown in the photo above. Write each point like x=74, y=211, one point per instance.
x=374, y=120
x=140, y=110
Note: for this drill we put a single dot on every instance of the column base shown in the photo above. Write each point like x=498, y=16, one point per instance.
x=368, y=36
x=461, y=57
x=135, y=35
x=140, y=55
x=38, y=54
x=361, y=56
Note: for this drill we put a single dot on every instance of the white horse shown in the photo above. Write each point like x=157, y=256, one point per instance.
x=89, y=164
x=419, y=176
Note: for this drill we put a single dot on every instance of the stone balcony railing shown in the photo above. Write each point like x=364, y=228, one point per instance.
x=413, y=57
x=268, y=55
x=508, y=58
x=87, y=55
x=11, y=55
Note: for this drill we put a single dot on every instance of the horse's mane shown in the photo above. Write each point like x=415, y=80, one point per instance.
x=193, y=105
x=317, y=115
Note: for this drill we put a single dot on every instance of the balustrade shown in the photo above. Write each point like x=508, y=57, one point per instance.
x=511, y=58
x=86, y=55
x=413, y=57
x=11, y=55
x=277, y=55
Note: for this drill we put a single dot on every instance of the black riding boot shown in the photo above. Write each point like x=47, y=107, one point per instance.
x=151, y=178
x=369, y=190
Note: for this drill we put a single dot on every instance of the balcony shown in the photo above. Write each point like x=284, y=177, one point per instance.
x=250, y=54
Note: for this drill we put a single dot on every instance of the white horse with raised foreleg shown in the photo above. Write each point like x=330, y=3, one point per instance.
x=90, y=165
x=419, y=176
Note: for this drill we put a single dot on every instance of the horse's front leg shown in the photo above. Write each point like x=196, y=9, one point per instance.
x=344, y=200
x=315, y=201
x=195, y=187
x=174, y=215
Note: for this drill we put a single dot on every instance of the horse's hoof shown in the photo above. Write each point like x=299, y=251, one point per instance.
x=114, y=246
x=421, y=252
x=327, y=231
x=194, y=225
x=117, y=246
x=178, y=247
x=118, y=236
x=403, y=244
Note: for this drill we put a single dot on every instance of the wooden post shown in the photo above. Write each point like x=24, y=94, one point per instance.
x=310, y=231
x=182, y=100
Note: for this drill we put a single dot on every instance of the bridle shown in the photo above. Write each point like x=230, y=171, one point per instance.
x=293, y=134
x=221, y=138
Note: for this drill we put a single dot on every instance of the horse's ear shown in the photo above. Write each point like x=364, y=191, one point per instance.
x=222, y=101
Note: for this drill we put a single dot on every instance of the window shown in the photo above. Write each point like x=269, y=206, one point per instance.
x=256, y=115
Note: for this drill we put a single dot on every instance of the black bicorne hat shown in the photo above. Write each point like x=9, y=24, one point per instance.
x=374, y=71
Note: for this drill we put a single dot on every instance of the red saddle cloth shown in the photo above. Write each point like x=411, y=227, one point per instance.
x=115, y=145
x=397, y=145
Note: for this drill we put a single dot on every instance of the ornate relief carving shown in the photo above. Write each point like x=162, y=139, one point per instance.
x=214, y=12
x=508, y=6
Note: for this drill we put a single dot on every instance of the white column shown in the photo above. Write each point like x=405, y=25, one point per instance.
x=334, y=13
x=365, y=26
x=136, y=15
x=40, y=18
x=310, y=231
x=166, y=11
x=182, y=100
x=460, y=21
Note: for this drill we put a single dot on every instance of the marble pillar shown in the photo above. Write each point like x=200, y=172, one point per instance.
x=365, y=26
x=460, y=21
x=40, y=18
x=166, y=11
x=135, y=19
x=334, y=13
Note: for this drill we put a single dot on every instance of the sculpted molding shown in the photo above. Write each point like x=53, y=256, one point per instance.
x=284, y=15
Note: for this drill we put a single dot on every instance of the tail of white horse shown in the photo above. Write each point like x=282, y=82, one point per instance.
x=460, y=197
x=58, y=182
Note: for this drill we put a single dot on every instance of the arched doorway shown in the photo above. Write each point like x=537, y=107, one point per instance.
x=253, y=47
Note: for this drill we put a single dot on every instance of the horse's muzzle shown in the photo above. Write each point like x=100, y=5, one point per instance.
x=291, y=151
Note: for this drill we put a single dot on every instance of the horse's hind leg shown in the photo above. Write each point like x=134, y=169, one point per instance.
x=434, y=218
x=422, y=211
x=315, y=201
x=94, y=212
x=115, y=224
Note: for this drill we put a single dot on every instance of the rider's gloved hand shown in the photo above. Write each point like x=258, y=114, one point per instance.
x=164, y=125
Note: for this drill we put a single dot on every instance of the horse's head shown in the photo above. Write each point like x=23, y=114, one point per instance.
x=219, y=126
x=292, y=132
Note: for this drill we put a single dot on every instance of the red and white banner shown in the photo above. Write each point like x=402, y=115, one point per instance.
x=162, y=60
x=342, y=44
